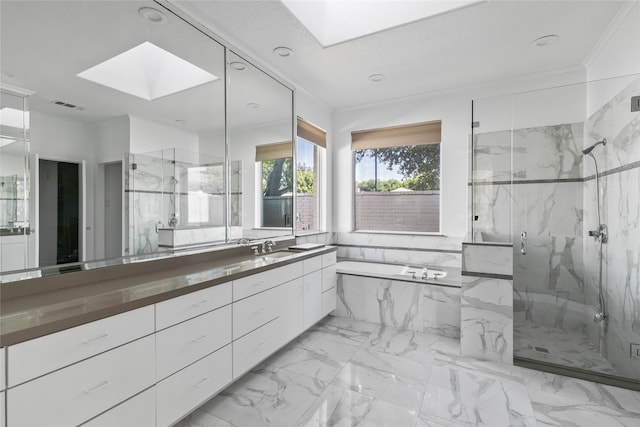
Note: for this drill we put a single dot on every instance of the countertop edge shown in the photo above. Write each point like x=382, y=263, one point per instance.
x=16, y=337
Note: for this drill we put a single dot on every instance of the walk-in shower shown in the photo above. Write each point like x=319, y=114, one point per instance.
x=576, y=296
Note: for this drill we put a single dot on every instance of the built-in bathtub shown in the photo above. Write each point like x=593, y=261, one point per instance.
x=397, y=295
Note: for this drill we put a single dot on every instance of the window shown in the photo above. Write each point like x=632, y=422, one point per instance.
x=276, y=163
x=311, y=147
x=397, y=178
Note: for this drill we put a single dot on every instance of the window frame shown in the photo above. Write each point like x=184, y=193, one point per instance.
x=354, y=228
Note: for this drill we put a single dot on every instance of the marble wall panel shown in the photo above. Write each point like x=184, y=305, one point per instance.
x=401, y=256
x=404, y=305
x=441, y=311
x=621, y=127
x=487, y=258
x=548, y=152
x=385, y=302
x=486, y=329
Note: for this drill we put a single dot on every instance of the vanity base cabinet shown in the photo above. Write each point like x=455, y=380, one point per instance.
x=73, y=395
x=2, y=411
x=154, y=365
x=256, y=346
x=312, y=298
x=139, y=411
x=187, y=389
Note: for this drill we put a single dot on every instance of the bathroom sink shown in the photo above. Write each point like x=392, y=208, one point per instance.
x=275, y=256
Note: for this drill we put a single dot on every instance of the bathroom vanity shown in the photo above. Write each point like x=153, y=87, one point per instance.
x=148, y=343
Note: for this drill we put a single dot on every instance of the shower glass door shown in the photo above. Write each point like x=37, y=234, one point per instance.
x=576, y=291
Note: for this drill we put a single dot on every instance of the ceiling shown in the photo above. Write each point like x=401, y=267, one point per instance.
x=485, y=42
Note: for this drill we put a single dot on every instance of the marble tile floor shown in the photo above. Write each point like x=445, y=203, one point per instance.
x=349, y=373
x=566, y=348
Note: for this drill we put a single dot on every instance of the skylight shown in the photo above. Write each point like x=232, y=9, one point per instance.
x=148, y=72
x=336, y=21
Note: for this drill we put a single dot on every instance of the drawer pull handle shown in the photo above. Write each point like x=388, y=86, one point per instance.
x=259, y=346
x=97, y=339
x=201, y=382
x=198, y=304
x=102, y=385
x=200, y=338
x=258, y=283
x=258, y=311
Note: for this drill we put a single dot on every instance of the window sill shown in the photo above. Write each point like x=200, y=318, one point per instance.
x=401, y=233
x=311, y=233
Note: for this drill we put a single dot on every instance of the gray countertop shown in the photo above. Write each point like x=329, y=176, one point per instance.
x=44, y=311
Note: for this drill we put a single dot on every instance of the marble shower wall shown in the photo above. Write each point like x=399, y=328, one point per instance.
x=619, y=165
x=158, y=187
x=545, y=201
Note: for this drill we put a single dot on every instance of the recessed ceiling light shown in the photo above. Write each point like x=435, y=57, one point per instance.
x=545, y=40
x=237, y=65
x=376, y=77
x=253, y=105
x=283, y=51
x=152, y=15
x=148, y=72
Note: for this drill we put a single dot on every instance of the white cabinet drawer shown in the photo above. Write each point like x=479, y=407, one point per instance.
x=2, y=409
x=251, y=349
x=31, y=359
x=312, y=298
x=291, y=309
x=329, y=259
x=186, y=390
x=328, y=301
x=139, y=411
x=75, y=394
x=312, y=264
x=329, y=278
x=187, y=306
x=184, y=343
x=253, y=312
x=247, y=286
x=3, y=383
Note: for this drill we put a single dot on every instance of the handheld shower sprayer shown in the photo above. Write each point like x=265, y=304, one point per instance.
x=590, y=148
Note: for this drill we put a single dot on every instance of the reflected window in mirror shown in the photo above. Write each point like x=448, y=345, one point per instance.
x=275, y=163
x=311, y=146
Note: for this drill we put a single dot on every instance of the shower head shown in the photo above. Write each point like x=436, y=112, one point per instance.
x=590, y=149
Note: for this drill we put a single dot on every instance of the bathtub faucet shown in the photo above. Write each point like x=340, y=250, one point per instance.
x=425, y=274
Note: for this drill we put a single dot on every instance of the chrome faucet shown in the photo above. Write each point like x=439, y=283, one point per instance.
x=601, y=234
x=425, y=274
x=267, y=246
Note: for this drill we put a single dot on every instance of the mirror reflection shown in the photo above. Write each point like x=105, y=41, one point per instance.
x=260, y=114
x=125, y=135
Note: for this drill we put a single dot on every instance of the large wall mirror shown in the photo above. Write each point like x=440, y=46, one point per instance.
x=140, y=138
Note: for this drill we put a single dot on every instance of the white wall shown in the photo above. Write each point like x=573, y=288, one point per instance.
x=454, y=109
x=62, y=139
x=146, y=136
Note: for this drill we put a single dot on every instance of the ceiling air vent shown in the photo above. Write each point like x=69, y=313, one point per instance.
x=67, y=105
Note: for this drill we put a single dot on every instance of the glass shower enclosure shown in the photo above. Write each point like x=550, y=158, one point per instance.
x=557, y=173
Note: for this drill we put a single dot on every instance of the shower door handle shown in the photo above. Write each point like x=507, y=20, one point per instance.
x=523, y=243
